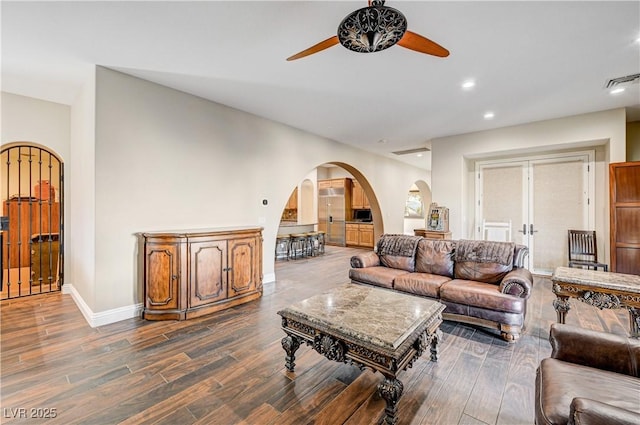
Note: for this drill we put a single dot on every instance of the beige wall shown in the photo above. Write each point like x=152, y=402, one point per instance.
x=453, y=159
x=633, y=141
x=169, y=160
x=25, y=119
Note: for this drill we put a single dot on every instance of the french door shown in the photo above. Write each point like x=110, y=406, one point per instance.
x=540, y=198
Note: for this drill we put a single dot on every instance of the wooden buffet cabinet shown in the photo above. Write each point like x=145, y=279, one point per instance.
x=191, y=273
x=432, y=234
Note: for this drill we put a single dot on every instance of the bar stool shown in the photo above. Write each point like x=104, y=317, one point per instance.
x=321, y=240
x=312, y=243
x=283, y=246
x=298, y=245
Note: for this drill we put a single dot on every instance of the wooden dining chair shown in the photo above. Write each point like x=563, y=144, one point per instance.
x=583, y=250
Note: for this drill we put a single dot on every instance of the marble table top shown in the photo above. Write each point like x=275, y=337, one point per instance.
x=377, y=316
x=598, y=279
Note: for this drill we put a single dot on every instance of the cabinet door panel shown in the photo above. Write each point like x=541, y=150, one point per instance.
x=208, y=280
x=352, y=234
x=162, y=276
x=366, y=235
x=243, y=272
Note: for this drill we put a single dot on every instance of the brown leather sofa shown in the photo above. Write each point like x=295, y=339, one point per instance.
x=591, y=378
x=480, y=282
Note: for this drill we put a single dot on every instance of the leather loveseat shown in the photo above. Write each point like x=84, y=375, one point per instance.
x=480, y=282
x=591, y=378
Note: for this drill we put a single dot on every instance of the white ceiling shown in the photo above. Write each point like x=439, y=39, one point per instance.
x=531, y=61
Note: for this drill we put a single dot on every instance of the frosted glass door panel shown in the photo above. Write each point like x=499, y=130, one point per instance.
x=502, y=198
x=558, y=196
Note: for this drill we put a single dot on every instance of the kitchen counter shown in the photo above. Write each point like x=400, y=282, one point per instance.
x=288, y=227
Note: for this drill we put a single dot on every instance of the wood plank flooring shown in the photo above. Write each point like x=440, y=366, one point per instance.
x=228, y=368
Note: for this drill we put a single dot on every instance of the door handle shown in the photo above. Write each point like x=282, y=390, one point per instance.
x=531, y=231
x=524, y=229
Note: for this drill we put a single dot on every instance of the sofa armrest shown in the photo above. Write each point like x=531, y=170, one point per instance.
x=366, y=259
x=517, y=282
x=585, y=411
x=600, y=350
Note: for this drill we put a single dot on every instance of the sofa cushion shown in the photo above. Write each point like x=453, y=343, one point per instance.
x=435, y=256
x=484, y=261
x=377, y=275
x=425, y=284
x=560, y=382
x=398, y=251
x=478, y=294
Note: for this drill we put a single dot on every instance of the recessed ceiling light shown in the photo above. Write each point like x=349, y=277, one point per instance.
x=419, y=155
x=617, y=90
x=489, y=115
x=468, y=84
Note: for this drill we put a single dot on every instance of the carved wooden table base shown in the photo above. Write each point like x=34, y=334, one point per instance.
x=340, y=331
x=599, y=289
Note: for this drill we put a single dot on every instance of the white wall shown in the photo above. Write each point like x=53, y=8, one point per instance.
x=80, y=202
x=453, y=159
x=169, y=160
x=25, y=119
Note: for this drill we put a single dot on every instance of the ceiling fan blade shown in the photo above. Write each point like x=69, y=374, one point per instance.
x=416, y=42
x=329, y=42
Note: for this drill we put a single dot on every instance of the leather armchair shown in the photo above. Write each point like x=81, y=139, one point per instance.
x=591, y=378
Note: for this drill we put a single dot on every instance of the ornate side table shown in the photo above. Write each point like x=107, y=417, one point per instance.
x=599, y=289
x=367, y=327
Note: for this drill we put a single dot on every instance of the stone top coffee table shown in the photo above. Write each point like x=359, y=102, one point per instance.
x=368, y=327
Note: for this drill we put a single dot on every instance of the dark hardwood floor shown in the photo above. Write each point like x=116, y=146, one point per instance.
x=228, y=368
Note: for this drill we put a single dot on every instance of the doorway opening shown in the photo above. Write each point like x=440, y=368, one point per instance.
x=31, y=237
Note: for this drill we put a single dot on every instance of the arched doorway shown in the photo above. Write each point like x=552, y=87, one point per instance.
x=417, y=206
x=32, y=238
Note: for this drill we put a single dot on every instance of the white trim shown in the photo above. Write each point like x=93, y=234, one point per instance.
x=103, y=317
x=269, y=277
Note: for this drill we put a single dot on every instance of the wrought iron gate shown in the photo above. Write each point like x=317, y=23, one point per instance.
x=32, y=236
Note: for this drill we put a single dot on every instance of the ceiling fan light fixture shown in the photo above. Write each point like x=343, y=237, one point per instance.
x=372, y=29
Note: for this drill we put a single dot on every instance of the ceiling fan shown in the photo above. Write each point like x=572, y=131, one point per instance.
x=375, y=28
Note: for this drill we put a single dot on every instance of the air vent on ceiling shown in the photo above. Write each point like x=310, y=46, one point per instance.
x=623, y=81
x=410, y=151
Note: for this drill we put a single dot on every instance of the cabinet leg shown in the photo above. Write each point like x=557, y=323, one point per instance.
x=290, y=344
x=634, y=321
x=435, y=339
x=562, y=306
x=390, y=390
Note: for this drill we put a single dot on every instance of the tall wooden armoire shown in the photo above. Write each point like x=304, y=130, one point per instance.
x=624, y=192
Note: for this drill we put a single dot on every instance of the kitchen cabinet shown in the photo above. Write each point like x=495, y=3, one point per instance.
x=188, y=274
x=359, y=234
x=359, y=199
x=334, y=183
x=292, y=203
